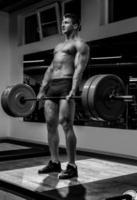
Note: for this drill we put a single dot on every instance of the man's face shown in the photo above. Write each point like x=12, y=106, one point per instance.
x=67, y=25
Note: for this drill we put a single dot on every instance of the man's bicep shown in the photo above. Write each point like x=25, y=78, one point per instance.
x=47, y=73
x=82, y=56
x=85, y=53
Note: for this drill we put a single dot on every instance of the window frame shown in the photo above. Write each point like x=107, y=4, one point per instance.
x=111, y=14
x=37, y=13
x=24, y=18
x=104, y=12
x=57, y=17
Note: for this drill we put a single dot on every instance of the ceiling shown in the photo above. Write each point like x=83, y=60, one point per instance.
x=13, y=5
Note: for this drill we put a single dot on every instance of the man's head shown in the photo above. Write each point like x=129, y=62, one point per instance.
x=70, y=23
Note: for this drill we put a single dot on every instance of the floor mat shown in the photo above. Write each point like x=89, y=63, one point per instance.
x=97, y=179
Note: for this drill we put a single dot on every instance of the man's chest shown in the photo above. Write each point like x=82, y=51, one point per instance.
x=68, y=48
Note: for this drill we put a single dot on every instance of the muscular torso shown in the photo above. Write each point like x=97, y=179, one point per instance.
x=63, y=62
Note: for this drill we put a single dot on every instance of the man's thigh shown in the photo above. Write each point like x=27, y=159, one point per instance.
x=67, y=110
x=51, y=111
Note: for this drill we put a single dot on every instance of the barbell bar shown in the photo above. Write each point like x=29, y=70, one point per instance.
x=49, y=98
x=103, y=97
x=127, y=98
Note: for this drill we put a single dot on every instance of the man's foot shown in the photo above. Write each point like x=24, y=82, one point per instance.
x=70, y=172
x=50, y=167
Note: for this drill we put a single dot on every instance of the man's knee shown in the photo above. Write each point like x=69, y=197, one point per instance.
x=66, y=123
x=51, y=123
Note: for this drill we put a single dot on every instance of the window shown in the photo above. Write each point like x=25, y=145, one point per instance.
x=49, y=20
x=31, y=29
x=72, y=6
x=41, y=24
x=119, y=10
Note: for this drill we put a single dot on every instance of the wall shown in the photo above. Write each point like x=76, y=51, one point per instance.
x=5, y=59
x=92, y=18
x=102, y=139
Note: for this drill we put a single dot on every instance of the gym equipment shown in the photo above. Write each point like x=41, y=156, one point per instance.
x=103, y=96
x=100, y=95
x=128, y=195
x=12, y=100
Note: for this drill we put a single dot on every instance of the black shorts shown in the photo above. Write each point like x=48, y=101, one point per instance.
x=59, y=87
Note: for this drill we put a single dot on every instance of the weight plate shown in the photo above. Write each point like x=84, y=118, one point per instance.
x=12, y=100
x=99, y=96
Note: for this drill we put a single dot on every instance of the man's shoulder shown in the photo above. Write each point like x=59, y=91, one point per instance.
x=81, y=44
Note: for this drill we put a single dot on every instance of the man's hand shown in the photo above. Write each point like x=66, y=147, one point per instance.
x=40, y=103
x=40, y=95
x=70, y=95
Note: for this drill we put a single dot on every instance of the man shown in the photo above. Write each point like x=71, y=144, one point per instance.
x=62, y=78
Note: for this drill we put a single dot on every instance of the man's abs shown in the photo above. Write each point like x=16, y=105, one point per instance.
x=63, y=66
x=61, y=73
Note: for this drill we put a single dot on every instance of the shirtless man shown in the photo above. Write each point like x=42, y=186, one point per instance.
x=62, y=78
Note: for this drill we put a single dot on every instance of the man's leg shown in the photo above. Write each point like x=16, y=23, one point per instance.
x=66, y=118
x=51, y=115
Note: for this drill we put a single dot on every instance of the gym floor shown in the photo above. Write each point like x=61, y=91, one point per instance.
x=100, y=177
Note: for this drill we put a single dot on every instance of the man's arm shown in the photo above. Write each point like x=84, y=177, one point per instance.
x=46, y=79
x=81, y=60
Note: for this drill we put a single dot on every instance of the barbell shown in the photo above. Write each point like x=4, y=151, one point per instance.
x=103, y=97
